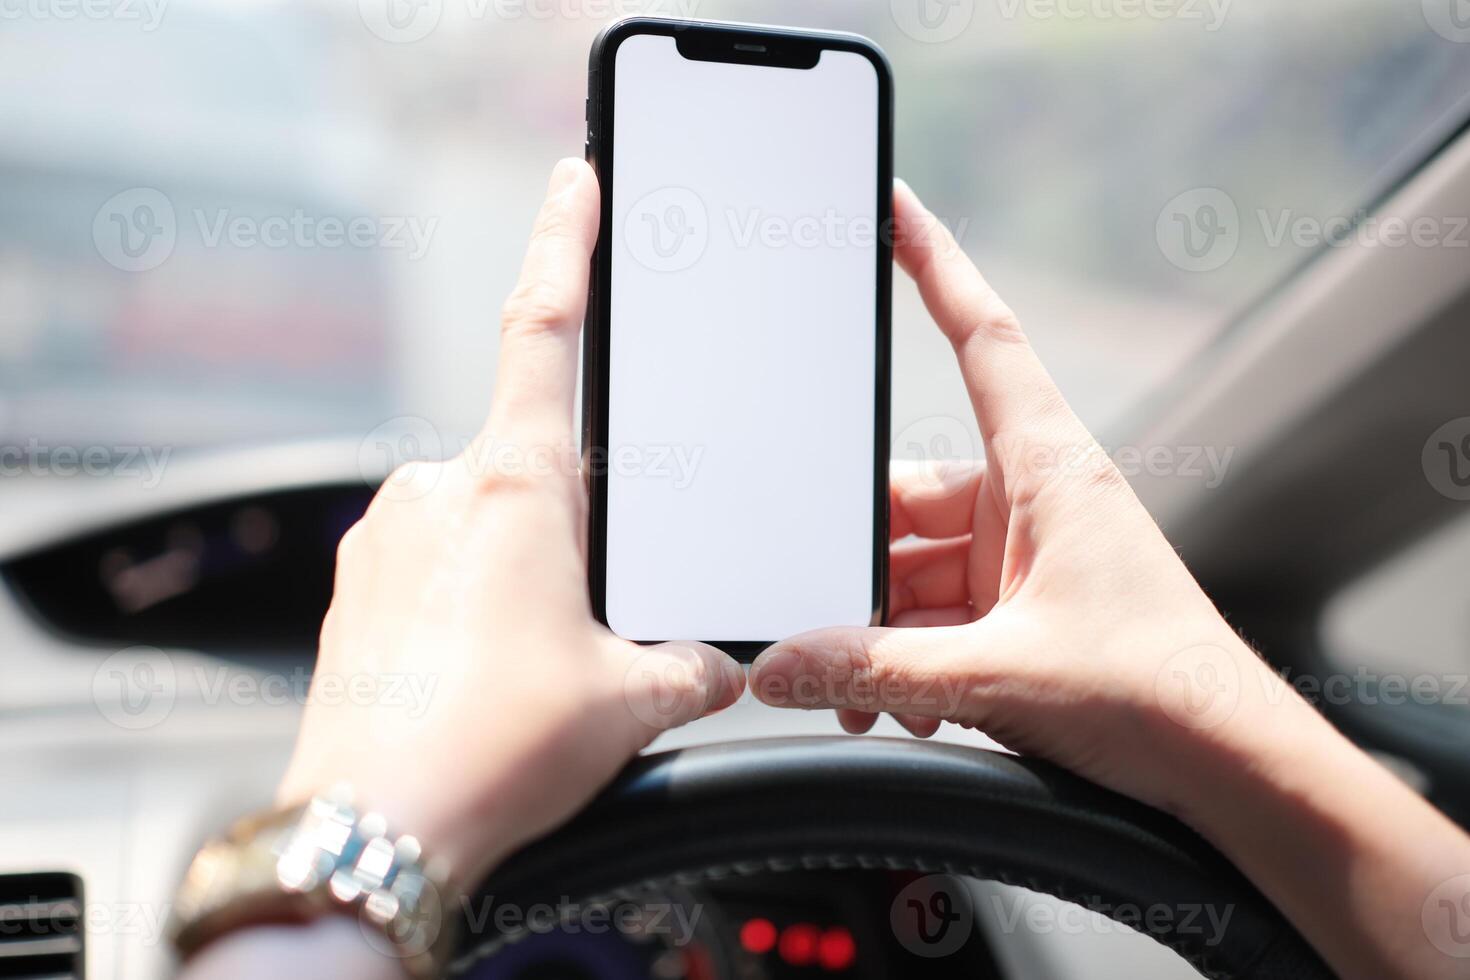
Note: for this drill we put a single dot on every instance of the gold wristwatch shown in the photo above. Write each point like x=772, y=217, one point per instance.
x=321, y=858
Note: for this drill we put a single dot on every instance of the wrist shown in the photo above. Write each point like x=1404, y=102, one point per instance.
x=327, y=947
x=464, y=839
x=1327, y=834
x=310, y=863
x=1260, y=742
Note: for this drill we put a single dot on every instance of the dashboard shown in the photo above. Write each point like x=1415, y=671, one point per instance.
x=773, y=926
x=190, y=576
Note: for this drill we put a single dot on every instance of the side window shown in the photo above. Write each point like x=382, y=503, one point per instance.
x=1401, y=633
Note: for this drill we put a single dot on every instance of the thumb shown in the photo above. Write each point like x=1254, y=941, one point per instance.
x=929, y=672
x=672, y=684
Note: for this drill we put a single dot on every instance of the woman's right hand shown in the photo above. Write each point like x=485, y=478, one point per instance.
x=1053, y=614
x=1041, y=604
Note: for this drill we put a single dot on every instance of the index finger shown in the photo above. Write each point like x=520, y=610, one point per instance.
x=542, y=319
x=1013, y=395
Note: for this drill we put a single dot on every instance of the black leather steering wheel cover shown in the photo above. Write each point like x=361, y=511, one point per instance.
x=705, y=812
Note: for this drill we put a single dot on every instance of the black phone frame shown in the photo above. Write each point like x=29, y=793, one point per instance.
x=738, y=44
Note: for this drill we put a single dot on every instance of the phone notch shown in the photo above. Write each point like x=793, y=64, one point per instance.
x=742, y=48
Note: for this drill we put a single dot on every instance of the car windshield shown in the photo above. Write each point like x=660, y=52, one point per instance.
x=228, y=222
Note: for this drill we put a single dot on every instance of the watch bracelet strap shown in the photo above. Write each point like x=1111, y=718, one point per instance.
x=299, y=864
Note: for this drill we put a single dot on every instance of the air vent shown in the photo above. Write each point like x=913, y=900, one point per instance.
x=40, y=926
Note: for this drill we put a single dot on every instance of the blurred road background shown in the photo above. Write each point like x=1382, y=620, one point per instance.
x=1049, y=135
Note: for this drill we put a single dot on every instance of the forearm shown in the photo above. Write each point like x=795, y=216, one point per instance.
x=1349, y=853
x=330, y=947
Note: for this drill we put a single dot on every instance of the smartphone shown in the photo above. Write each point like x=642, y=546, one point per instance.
x=736, y=359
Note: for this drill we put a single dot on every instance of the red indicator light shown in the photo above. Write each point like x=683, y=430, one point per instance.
x=799, y=944
x=758, y=936
x=836, y=950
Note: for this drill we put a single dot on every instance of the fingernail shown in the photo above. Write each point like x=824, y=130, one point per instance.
x=564, y=173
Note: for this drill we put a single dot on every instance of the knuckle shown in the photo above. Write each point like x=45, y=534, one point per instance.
x=557, y=218
x=994, y=321
x=327, y=632
x=686, y=676
x=558, y=221
x=502, y=483
x=404, y=474
x=544, y=507
x=535, y=307
x=840, y=670
x=407, y=483
x=350, y=544
x=1001, y=323
x=555, y=493
x=903, y=676
x=866, y=675
x=1103, y=477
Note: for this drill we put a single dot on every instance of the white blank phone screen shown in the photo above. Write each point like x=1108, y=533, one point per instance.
x=741, y=345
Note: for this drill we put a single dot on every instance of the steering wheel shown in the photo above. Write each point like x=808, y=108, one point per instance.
x=832, y=802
